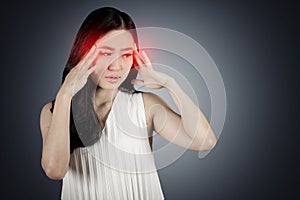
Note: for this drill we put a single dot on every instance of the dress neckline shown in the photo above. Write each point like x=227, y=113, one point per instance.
x=109, y=113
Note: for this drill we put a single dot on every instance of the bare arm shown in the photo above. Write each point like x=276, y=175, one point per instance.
x=190, y=128
x=56, y=139
x=55, y=126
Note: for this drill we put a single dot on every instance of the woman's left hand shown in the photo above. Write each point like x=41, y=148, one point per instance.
x=151, y=78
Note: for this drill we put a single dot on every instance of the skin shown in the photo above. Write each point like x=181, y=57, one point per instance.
x=113, y=55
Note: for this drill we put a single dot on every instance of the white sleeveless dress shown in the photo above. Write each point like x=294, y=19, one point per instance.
x=121, y=164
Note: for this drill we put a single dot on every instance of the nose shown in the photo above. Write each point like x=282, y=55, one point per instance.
x=116, y=65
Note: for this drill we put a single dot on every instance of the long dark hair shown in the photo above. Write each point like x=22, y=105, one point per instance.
x=99, y=22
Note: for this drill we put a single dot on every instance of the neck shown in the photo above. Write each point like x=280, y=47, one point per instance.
x=104, y=96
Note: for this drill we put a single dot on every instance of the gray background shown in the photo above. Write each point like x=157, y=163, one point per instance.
x=255, y=46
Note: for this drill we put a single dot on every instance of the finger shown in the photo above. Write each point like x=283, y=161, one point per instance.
x=137, y=82
x=91, y=51
x=91, y=59
x=138, y=59
x=136, y=65
x=134, y=47
x=146, y=58
x=89, y=71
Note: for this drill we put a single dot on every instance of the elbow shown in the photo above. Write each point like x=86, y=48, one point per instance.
x=208, y=145
x=54, y=174
x=209, y=141
x=53, y=171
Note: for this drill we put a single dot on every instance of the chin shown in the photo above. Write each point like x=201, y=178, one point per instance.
x=109, y=86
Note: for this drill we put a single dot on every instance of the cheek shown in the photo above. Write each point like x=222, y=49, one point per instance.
x=95, y=77
x=101, y=65
x=97, y=73
x=101, y=62
x=128, y=63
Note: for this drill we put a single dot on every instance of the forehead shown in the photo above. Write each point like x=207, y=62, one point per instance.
x=117, y=39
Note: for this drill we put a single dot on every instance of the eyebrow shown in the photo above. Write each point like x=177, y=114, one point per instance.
x=113, y=49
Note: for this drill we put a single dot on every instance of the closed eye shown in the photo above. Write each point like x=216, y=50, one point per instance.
x=105, y=53
x=126, y=55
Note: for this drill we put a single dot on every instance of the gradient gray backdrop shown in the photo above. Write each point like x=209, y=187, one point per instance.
x=255, y=46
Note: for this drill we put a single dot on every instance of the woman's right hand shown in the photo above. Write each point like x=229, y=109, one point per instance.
x=77, y=77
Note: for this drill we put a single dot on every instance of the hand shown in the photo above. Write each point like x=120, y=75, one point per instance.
x=77, y=77
x=151, y=78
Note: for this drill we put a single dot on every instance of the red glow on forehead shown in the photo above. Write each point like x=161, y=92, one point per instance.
x=116, y=38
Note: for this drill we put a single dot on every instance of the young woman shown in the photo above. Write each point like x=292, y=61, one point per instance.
x=97, y=133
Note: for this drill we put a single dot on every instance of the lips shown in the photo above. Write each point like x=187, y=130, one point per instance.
x=112, y=78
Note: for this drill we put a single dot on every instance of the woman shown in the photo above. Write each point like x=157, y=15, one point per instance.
x=97, y=137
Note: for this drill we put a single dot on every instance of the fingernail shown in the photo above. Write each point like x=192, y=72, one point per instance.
x=135, y=48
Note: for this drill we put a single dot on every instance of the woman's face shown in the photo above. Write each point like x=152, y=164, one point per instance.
x=114, y=60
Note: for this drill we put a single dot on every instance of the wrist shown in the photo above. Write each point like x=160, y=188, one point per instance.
x=64, y=94
x=169, y=82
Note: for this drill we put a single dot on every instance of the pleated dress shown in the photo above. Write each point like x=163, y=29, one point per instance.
x=120, y=165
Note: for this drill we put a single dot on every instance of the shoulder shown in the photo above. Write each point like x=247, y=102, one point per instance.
x=153, y=103
x=151, y=98
x=46, y=108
